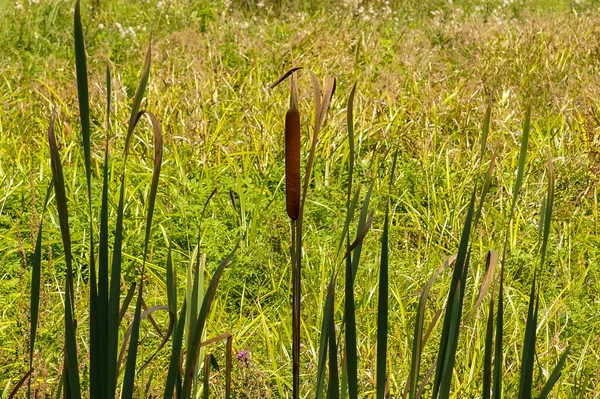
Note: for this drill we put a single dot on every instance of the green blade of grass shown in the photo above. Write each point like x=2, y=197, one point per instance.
x=36, y=271
x=194, y=349
x=447, y=349
x=555, y=374
x=350, y=126
x=129, y=378
x=498, y=350
x=71, y=367
x=418, y=341
x=324, y=340
x=171, y=283
x=333, y=388
x=522, y=160
x=103, y=272
x=487, y=355
x=97, y=369
x=173, y=374
x=382, y=311
x=486, y=129
x=528, y=356
x=206, y=379
x=115, y=283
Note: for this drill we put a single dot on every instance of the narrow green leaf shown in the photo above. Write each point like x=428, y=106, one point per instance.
x=173, y=374
x=447, y=350
x=486, y=129
x=382, y=311
x=194, y=349
x=488, y=352
x=555, y=374
x=528, y=356
x=71, y=367
x=324, y=340
x=36, y=271
x=129, y=378
x=333, y=385
x=522, y=160
x=418, y=341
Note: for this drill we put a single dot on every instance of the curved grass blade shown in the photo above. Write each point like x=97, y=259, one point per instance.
x=173, y=375
x=488, y=278
x=555, y=374
x=71, y=367
x=14, y=391
x=165, y=338
x=194, y=349
x=129, y=378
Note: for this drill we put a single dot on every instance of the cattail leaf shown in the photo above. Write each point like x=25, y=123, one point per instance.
x=350, y=127
x=97, y=372
x=555, y=374
x=528, y=355
x=171, y=283
x=418, y=342
x=382, y=311
x=36, y=277
x=284, y=77
x=129, y=378
x=547, y=214
x=115, y=288
x=194, y=348
x=486, y=129
x=71, y=367
x=173, y=374
x=486, y=188
x=447, y=349
x=333, y=388
x=324, y=340
x=363, y=222
x=488, y=351
x=522, y=160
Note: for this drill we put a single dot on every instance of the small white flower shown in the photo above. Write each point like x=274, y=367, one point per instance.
x=100, y=26
x=34, y=2
x=18, y=6
x=260, y=4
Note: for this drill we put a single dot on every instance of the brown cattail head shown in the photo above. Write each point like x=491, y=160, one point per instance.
x=292, y=161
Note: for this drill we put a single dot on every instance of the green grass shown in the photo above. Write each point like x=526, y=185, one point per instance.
x=424, y=82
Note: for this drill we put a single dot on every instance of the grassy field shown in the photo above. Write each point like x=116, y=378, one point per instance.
x=425, y=73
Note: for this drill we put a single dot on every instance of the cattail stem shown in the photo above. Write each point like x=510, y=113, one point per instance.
x=295, y=252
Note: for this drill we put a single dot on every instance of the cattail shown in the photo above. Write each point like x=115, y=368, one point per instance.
x=292, y=161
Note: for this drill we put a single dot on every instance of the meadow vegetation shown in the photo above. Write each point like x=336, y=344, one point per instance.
x=425, y=74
